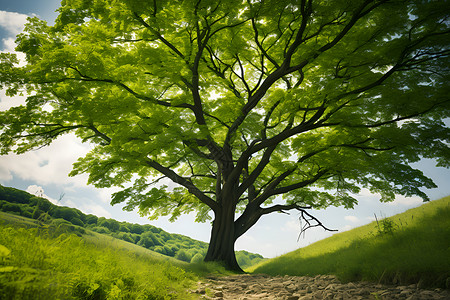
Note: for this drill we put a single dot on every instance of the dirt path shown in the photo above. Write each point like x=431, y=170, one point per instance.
x=252, y=287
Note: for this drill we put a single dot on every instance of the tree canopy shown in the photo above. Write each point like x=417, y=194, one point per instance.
x=237, y=102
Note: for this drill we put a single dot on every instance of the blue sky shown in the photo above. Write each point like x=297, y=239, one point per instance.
x=47, y=168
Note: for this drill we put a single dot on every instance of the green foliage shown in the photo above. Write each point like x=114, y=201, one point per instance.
x=77, y=221
x=136, y=228
x=100, y=229
x=111, y=224
x=147, y=236
x=65, y=213
x=34, y=265
x=14, y=195
x=197, y=258
x=248, y=99
x=183, y=255
x=386, y=226
x=91, y=219
x=42, y=203
x=124, y=227
x=292, y=88
x=247, y=259
x=415, y=252
x=12, y=207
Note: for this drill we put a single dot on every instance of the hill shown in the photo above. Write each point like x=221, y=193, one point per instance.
x=412, y=247
x=39, y=261
x=21, y=203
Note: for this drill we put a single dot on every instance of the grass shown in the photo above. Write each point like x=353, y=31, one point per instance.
x=70, y=262
x=74, y=263
x=412, y=247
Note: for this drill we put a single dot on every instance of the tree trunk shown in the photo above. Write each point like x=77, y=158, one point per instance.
x=221, y=245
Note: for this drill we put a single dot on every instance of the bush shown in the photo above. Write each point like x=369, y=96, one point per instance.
x=77, y=221
x=243, y=261
x=125, y=237
x=135, y=237
x=111, y=224
x=101, y=229
x=36, y=213
x=124, y=228
x=148, y=239
x=136, y=228
x=91, y=219
x=56, y=222
x=60, y=226
x=197, y=258
x=160, y=249
x=12, y=207
x=41, y=203
x=183, y=255
x=63, y=212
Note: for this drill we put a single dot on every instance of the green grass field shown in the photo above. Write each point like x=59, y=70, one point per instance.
x=40, y=262
x=70, y=262
x=412, y=247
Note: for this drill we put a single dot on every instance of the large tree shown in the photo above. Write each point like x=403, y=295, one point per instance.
x=239, y=103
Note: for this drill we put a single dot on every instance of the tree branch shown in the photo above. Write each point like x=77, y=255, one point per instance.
x=183, y=182
x=160, y=37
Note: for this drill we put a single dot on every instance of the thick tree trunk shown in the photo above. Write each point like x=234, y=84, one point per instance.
x=221, y=245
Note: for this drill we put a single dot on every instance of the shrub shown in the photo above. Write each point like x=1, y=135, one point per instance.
x=146, y=241
x=77, y=221
x=136, y=228
x=91, y=219
x=12, y=207
x=64, y=212
x=125, y=237
x=183, y=255
x=111, y=224
x=386, y=226
x=124, y=228
x=197, y=258
x=101, y=229
x=160, y=249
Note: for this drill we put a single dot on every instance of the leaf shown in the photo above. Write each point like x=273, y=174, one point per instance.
x=4, y=251
x=7, y=269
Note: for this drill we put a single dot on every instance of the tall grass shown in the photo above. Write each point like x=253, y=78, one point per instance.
x=36, y=265
x=413, y=247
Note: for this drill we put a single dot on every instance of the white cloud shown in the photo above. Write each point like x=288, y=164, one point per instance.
x=370, y=219
x=292, y=225
x=104, y=194
x=406, y=201
x=39, y=192
x=5, y=174
x=352, y=219
x=95, y=209
x=12, y=22
x=346, y=228
x=8, y=102
x=48, y=165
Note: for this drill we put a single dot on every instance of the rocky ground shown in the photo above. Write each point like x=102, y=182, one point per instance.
x=249, y=287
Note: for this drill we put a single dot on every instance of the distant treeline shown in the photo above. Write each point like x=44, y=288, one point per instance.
x=184, y=248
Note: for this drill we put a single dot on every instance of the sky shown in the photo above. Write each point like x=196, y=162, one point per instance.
x=45, y=172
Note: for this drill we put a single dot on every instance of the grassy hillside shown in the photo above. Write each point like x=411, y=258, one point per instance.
x=21, y=203
x=39, y=261
x=36, y=265
x=412, y=247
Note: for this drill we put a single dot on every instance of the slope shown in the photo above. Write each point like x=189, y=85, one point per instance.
x=412, y=247
x=18, y=202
